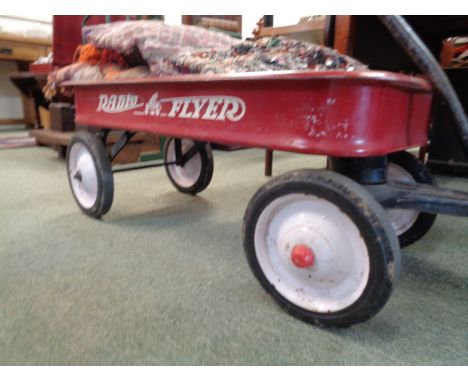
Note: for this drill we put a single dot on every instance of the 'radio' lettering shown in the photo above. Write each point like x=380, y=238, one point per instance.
x=118, y=103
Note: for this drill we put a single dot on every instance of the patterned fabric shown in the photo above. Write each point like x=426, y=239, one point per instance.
x=179, y=49
x=156, y=42
x=74, y=72
x=126, y=36
x=83, y=72
x=89, y=54
x=172, y=49
x=265, y=54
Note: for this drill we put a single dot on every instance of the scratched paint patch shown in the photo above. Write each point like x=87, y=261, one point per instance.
x=213, y=107
x=317, y=126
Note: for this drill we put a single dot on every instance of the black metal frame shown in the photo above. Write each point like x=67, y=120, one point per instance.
x=126, y=136
x=371, y=170
x=118, y=146
x=372, y=174
x=421, y=197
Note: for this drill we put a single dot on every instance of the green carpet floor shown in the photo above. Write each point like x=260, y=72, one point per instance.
x=162, y=279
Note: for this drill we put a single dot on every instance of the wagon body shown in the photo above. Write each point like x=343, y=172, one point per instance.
x=341, y=114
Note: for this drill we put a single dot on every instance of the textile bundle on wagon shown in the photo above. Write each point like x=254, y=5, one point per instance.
x=132, y=49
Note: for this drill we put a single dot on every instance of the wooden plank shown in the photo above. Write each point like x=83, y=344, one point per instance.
x=14, y=121
x=55, y=137
x=141, y=143
x=28, y=76
x=313, y=25
x=22, y=18
x=229, y=25
x=16, y=51
x=26, y=40
x=344, y=34
x=51, y=137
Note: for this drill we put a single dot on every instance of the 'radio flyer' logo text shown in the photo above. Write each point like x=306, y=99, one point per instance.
x=217, y=107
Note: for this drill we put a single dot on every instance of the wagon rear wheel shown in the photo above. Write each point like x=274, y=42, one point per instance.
x=322, y=247
x=409, y=225
x=195, y=174
x=90, y=174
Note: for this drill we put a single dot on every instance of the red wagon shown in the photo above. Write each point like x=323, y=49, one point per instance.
x=323, y=243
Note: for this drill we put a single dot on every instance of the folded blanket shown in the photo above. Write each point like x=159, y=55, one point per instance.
x=126, y=36
x=156, y=42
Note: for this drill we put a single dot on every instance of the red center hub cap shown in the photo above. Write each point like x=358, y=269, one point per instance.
x=302, y=256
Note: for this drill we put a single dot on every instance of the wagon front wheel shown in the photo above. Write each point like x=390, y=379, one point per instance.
x=322, y=247
x=194, y=173
x=90, y=174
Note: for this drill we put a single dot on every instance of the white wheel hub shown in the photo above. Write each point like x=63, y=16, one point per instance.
x=336, y=275
x=188, y=174
x=83, y=175
x=400, y=219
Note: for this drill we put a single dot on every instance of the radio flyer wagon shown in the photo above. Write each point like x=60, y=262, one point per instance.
x=324, y=243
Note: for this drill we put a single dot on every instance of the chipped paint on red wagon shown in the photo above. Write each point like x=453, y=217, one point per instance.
x=346, y=114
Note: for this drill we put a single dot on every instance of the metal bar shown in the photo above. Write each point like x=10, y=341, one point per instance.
x=178, y=149
x=102, y=135
x=421, y=197
x=120, y=144
x=85, y=20
x=83, y=24
x=191, y=153
x=449, y=164
x=181, y=159
x=139, y=166
x=268, y=162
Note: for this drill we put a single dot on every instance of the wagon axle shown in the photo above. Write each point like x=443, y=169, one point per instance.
x=402, y=192
x=78, y=176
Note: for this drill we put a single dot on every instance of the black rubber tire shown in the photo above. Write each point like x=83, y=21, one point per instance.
x=368, y=216
x=206, y=173
x=421, y=174
x=105, y=179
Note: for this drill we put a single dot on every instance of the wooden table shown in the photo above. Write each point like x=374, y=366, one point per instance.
x=22, y=51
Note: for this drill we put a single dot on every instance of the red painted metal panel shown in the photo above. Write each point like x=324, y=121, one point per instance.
x=351, y=114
